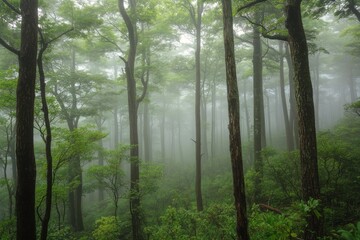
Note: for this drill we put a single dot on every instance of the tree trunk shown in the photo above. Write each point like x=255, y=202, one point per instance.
x=258, y=108
x=25, y=95
x=198, y=193
x=234, y=124
x=293, y=119
x=75, y=172
x=48, y=140
x=213, y=120
x=135, y=211
x=288, y=129
x=305, y=106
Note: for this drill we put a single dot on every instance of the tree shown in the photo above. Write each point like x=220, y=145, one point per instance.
x=47, y=135
x=133, y=104
x=25, y=96
x=305, y=106
x=109, y=176
x=305, y=109
x=8, y=83
x=234, y=124
x=259, y=116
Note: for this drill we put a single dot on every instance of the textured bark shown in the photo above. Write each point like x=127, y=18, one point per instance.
x=25, y=95
x=305, y=107
x=234, y=124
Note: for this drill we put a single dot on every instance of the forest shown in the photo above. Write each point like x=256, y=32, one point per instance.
x=179, y=119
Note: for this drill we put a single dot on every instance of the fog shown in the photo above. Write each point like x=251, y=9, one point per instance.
x=87, y=89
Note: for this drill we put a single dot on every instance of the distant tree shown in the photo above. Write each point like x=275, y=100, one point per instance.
x=234, y=124
x=8, y=83
x=259, y=116
x=109, y=176
x=195, y=15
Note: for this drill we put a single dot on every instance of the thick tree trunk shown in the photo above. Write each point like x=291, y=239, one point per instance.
x=234, y=124
x=25, y=95
x=305, y=106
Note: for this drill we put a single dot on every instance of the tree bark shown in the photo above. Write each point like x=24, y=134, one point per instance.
x=234, y=124
x=25, y=95
x=305, y=106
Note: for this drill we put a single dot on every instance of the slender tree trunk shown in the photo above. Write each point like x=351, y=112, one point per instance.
x=116, y=128
x=162, y=131
x=269, y=118
x=293, y=119
x=133, y=104
x=48, y=140
x=213, y=120
x=288, y=130
x=316, y=79
x=198, y=193
x=75, y=172
x=234, y=124
x=305, y=105
x=25, y=95
x=147, y=134
x=258, y=108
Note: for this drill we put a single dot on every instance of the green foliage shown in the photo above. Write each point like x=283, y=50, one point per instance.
x=351, y=233
x=8, y=229
x=60, y=234
x=273, y=226
x=106, y=228
x=150, y=174
x=216, y=222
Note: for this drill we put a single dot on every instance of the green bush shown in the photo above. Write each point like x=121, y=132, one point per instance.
x=106, y=228
x=274, y=226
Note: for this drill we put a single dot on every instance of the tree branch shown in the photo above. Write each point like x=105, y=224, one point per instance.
x=12, y=7
x=60, y=35
x=9, y=47
x=354, y=10
x=110, y=41
x=249, y=5
x=265, y=32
